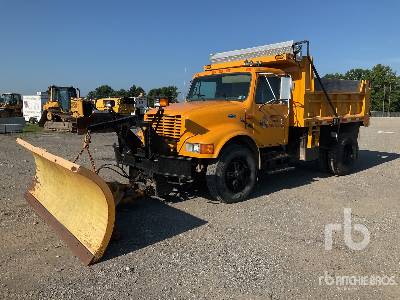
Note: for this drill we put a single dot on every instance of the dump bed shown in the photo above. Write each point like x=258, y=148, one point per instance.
x=349, y=98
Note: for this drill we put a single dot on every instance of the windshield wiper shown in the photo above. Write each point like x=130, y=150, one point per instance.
x=232, y=98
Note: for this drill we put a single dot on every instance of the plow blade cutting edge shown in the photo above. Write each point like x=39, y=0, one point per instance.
x=75, y=201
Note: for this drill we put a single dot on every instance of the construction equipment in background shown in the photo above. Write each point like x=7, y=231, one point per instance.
x=123, y=105
x=110, y=109
x=142, y=105
x=113, y=108
x=10, y=105
x=63, y=109
x=119, y=105
x=251, y=111
x=11, y=120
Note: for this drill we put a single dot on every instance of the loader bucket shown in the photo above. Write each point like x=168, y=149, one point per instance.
x=75, y=201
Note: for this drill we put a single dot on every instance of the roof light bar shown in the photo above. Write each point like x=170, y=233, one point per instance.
x=249, y=53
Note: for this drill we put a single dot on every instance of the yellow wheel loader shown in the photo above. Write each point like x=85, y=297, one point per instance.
x=11, y=119
x=119, y=105
x=64, y=109
x=123, y=106
x=10, y=105
x=251, y=111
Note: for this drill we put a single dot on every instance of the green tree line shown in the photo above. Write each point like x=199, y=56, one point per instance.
x=385, y=85
x=104, y=91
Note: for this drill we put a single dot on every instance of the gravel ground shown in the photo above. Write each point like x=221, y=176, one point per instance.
x=269, y=247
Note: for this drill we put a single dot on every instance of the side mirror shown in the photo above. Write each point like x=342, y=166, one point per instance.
x=286, y=88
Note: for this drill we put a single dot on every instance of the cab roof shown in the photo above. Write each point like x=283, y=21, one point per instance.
x=276, y=55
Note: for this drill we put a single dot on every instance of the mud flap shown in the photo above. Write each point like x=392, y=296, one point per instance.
x=75, y=201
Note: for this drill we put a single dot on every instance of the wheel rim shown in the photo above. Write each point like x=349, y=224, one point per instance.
x=237, y=175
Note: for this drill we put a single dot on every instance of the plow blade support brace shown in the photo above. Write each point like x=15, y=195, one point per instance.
x=75, y=201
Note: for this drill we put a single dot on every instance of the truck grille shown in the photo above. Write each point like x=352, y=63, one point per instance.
x=168, y=126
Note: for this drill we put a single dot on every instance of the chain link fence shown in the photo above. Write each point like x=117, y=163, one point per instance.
x=381, y=114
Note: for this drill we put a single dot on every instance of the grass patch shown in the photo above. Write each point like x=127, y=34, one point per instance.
x=32, y=128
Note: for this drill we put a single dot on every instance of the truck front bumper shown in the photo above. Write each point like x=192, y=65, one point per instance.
x=168, y=166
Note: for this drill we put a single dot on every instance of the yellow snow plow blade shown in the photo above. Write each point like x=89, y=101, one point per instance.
x=75, y=201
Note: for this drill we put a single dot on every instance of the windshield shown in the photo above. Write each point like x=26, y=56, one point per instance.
x=11, y=99
x=220, y=87
x=63, y=95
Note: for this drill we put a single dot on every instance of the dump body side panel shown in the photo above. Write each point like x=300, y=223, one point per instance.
x=309, y=107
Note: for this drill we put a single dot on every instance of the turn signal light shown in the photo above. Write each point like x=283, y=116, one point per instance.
x=200, y=148
x=206, y=148
x=164, y=102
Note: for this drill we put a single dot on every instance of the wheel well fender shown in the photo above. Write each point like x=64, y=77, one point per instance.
x=246, y=141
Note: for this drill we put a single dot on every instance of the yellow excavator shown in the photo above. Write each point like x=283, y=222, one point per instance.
x=64, y=109
x=251, y=111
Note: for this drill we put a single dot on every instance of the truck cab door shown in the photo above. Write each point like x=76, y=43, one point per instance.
x=271, y=114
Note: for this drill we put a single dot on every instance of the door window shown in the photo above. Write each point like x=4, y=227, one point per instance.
x=268, y=89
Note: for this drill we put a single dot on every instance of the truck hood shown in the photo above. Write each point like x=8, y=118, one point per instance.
x=200, y=116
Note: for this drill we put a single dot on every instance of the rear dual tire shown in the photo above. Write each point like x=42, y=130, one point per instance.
x=341, y=158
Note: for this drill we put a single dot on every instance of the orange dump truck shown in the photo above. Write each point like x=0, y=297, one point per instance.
x=249, y=111
x=258, y=110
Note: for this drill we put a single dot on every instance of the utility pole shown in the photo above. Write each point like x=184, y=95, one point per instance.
x=383, y=104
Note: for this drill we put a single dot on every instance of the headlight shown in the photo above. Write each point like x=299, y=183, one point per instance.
x=193, y=147
x=200, y=148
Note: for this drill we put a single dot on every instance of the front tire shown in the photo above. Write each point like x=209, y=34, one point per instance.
x=232, y=176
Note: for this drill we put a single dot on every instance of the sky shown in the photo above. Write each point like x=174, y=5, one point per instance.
x=88, y=43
